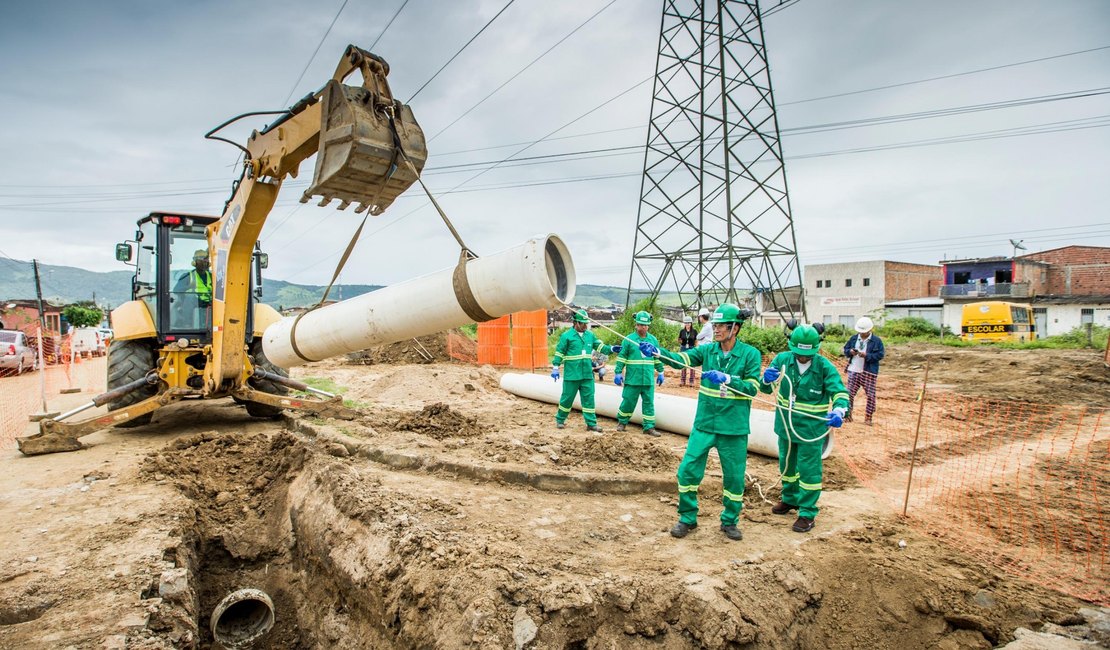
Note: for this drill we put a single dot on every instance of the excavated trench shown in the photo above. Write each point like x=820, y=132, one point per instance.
x=354, y=554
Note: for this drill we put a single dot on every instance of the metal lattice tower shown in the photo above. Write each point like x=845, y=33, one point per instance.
x=714, y=218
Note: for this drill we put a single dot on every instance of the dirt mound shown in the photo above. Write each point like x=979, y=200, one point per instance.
x=424, y=349
x=1044, y=375
x=235, y=478
x=438, y=421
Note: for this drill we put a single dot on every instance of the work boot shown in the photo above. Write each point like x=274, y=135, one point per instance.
x=680, y=529
x=732, y=532
x=782, y=508
x=868, y=422
x=620, y=426
x=560, y=425
x=803, y=525
x=593, y=427
x=652, y=432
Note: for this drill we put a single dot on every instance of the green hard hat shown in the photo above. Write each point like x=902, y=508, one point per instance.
x=805, y=341
x=728, y=313
x=581, y=317
x=642, y=318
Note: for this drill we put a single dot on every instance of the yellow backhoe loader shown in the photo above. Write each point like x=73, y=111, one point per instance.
x=194, y=326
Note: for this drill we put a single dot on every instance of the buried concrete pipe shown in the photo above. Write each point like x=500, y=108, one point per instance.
x=537, y=274
x=672, y=412
x=242, y=617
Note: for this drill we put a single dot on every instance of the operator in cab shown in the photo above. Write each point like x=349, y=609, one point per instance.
x=193, y=292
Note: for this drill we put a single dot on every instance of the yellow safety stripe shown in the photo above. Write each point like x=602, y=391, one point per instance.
x=649, y=418
x=753, y=382
x=622, y=414
x=790, y=479
x=638, y=362
x=564, y=409
x=589, y=410
x=576, y=357
x=805, y=406
x=809, y=486
x=716, y=392
x=687, y=488
x=685, y=358
x=839, y=396
x=735, y=497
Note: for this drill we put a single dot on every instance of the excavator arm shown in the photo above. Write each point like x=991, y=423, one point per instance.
x=370, y=150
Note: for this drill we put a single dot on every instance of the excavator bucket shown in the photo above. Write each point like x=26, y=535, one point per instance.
x=365, y=151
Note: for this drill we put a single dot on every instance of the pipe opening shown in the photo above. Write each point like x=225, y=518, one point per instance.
x=242, y=617
x=560, y=270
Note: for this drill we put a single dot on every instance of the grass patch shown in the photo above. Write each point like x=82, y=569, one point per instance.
x=325, y=384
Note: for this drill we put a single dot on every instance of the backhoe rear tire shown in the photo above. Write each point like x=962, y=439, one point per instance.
x=258, y=358
x=128, y=361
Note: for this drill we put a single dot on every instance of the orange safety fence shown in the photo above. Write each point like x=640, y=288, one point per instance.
x=529, y=339
x=461, y=347
x=1024, y=487
x=25, y=394
x=493, y=341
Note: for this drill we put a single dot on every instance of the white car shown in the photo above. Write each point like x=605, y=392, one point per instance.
x=88, y=342
x=15, y=352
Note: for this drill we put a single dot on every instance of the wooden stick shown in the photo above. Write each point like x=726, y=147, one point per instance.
x=916, y=435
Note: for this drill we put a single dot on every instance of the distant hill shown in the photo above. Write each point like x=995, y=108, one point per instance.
x=67, y=284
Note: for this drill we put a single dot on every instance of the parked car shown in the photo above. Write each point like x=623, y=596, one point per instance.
x=88, y=342
x=16, y=352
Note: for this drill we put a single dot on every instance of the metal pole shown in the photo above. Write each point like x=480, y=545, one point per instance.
x=916, y=435
x=42, y=372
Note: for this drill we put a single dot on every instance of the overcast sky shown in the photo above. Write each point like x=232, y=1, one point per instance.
x=104, y=106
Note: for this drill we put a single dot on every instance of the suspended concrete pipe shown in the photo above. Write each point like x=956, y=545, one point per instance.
x=537, y=274
x=242, y=617
x=672, y=413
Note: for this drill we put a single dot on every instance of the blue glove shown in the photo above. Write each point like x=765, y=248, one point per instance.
x=715, y=376
x=659, y=379
x=834, y=420
x=771, y=375
x=618, y=379
x=648, y=350
x=555, y=373
x=614, y=349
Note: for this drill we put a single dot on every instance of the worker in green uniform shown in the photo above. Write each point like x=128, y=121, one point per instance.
x=638, y=374
x=729, y=380
x=574, y=352
x=810, y=385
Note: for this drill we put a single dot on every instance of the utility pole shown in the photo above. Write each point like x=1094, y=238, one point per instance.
x=38, y=294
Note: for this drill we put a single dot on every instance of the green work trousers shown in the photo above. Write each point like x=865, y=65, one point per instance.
x=801, y=475
x=572, y=387
x=629, y=396
x=733, y=452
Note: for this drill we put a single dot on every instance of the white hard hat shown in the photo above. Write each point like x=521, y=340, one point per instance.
x=864, y=325
x=704, y=312
x=687, y=319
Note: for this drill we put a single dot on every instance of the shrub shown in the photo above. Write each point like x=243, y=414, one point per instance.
x=911, y=327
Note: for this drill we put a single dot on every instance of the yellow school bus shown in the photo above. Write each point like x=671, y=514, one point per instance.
x=994, y=321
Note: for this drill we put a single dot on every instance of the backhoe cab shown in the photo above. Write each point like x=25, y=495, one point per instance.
x=194, y=326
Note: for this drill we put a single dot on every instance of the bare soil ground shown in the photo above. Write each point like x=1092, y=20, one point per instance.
x=453, y=515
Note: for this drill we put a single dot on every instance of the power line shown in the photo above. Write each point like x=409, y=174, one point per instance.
x=387, y=26
x=522, y=70
x=467, y=44
x=947, y=76
x=314, y=53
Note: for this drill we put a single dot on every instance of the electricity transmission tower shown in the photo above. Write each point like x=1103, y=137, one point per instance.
x=714, y=217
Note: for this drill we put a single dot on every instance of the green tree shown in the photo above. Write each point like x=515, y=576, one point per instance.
x=83, y=315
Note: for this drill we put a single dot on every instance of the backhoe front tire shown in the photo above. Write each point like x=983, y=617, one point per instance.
x=127, y=362
x=259, y=360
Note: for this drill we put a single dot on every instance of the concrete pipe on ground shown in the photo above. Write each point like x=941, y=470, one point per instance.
x=242, y=617
x=537, y=274
x=672, y=412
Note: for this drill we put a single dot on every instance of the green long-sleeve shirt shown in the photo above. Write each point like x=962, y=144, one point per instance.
x=818, y=391
x=727, y=415
x=638, y=370
x=574, y=352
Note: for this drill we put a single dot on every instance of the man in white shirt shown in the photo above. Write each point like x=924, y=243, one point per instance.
x=706, y=333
